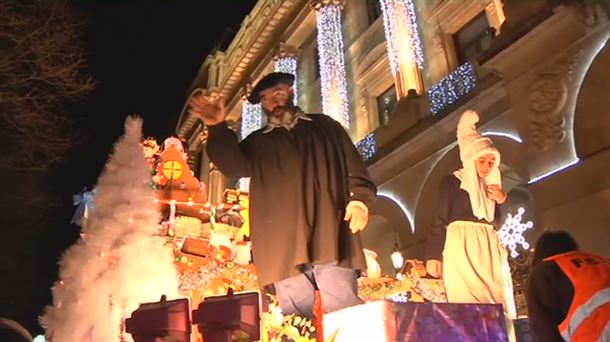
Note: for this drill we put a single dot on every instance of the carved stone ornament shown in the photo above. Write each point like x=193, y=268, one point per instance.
x=245, y=91
x=548, y=133
x=364, y=99
x=590, y=13
x=285, y=51
x=439, y=40
x=203, y=135
x=547, y=95
x=318, y=4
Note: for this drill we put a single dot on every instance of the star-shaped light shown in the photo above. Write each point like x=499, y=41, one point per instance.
x=511, y=233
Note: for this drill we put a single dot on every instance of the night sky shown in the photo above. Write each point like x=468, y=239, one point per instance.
x=143, y=56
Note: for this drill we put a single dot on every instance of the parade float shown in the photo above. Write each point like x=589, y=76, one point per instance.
x=149, y=236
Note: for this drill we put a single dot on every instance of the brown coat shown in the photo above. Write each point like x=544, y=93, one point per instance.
x=301, y=181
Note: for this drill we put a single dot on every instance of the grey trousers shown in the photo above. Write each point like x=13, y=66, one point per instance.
x=338, y=288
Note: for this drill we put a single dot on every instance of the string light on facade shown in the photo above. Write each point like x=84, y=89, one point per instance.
x=511, y=232
x=288, y=64
x=402, y=34
x=509, y=135
x=367, y=147
x=452, y=88
x=251, y=118
x=332, y=61
x=287, y=61
x=555, y=170
x=402, y=207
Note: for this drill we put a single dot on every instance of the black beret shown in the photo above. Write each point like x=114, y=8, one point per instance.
x=269, y=81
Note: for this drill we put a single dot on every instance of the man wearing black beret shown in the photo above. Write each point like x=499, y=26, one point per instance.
x=309, y=190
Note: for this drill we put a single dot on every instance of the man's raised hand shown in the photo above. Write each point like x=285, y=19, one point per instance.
x=210, y=108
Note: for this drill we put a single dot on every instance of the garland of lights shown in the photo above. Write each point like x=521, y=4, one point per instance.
x=452, y=87
x=332, y=63
x=392, y=288
x=402, y=34
x=367, y=146
x=277, y=327
x=396, y=289
x=288, y=64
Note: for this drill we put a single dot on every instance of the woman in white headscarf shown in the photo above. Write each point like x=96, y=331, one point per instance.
x=462, y=244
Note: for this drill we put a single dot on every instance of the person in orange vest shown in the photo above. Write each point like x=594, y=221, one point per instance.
x=568, y=291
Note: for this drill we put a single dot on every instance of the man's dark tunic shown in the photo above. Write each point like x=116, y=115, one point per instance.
x=301, y=181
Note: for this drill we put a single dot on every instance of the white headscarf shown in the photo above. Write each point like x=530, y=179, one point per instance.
x=472, y=146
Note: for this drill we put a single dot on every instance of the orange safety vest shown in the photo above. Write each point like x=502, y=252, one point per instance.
x=589, y=315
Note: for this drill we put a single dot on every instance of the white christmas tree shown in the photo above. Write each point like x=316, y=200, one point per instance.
x=120, y=261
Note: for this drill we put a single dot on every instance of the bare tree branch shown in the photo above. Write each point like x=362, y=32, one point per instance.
x=41, y=60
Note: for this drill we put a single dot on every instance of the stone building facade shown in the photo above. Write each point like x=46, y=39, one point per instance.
x=537, y=72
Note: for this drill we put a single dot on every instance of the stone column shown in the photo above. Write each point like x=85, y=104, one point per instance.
x=217, y=185
x=332, y=59
x=404, y=45
x=251, y=120
x=287, y=60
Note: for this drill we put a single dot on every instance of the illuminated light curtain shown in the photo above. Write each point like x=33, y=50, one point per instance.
x=404, y=45
x=287, y=61
x=332, y=60
x=251, y=120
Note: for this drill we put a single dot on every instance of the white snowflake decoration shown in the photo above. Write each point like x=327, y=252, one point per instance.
x=511, y=233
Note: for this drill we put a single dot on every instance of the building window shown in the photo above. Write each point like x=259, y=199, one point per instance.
x=373, y=9
x=474, y=38
x=386, y=103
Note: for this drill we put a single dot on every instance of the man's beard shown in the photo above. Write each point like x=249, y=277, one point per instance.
x=280, y=111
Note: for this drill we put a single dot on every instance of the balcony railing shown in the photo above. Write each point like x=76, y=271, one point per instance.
x=448, y=91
